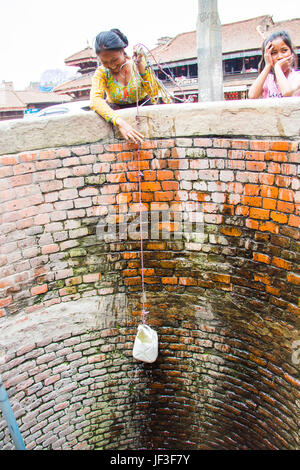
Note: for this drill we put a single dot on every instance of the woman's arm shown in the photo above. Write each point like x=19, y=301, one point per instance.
x=288, y=87
x=149, y=85
x=98, y=104
x=97, y=101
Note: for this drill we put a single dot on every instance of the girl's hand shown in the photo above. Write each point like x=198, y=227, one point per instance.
x=268, y=55
x=128, y=132
x=285, y=63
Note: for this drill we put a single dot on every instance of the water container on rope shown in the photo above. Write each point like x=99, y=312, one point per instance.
x=145, y=346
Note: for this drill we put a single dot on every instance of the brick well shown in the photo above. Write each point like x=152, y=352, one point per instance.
x=223, y=293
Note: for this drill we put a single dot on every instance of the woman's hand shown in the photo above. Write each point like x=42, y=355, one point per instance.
x=138, y=59
x=128, y=132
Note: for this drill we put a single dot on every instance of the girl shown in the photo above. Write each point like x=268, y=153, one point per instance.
x=277, y=75
x=122, y=82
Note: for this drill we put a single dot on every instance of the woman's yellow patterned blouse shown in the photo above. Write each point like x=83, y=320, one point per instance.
x=104, y=85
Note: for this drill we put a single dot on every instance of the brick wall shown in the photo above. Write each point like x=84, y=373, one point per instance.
x=223, y=294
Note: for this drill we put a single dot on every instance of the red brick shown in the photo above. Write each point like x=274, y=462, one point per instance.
x=41, y=289
x=294, y=157
x=259, y=145
x=21, y=180
x=276, y=156
x=294, y=221
x=120, y=166
x=252, y=201
x=144, y=207
x=6, y=301
x=231, y=231
x=116, y=178
x=240, y=144
x=279, y=145
x=107, y=199
x=143, y=165
x=164, y=196
x=128, y=187
x=165, y=175
x=151, y=186
x=251, y=190
x=286, y=195
x=149, y=175
x=256, y=166
x=293, y=278
x=274, y=168
x=115, y=147
x=110, y=189
x=283, y=206
x=288, y=169
x=269, y=191
x=50, y=249
x=261, y=258
x=268, y=227
x=283, y=181
x=170, y=185
x=269, y=203
x=169, y=280
x=256, y=213
x=187, y=281
x=282, y=263
x=8, y=160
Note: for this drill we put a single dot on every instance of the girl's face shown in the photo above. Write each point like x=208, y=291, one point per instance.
x=280, y=50
x=112, y=60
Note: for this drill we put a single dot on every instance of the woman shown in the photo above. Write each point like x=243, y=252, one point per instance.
x=277, y=75
x=123, y=82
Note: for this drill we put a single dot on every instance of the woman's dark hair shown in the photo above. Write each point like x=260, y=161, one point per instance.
x=112, y=40
x=284, y=35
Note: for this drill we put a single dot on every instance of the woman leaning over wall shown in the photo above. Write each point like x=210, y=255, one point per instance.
x=119, y=82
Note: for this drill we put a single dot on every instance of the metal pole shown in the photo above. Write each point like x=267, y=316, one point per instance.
x=10, y=418
x=209, y=51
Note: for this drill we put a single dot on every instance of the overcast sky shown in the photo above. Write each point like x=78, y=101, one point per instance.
x=37, y=35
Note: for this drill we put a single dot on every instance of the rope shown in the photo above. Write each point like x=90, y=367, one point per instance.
x=166, y=98
x=144, y=312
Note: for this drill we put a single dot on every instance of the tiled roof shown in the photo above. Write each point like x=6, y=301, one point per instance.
x=87, y=53
x=9, y=100
x=81, y=83
x=12, y=100
x=239, y=36
x=31, y=97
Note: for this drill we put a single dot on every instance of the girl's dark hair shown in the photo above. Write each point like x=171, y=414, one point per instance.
x=112, y=40
x=284, y=35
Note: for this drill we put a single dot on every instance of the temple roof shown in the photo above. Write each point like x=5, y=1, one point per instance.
x=80, y=83
x=82, y=56
x=238, y=36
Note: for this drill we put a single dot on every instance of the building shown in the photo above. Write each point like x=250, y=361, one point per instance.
x=14, y=104
x=241, y=45
x=79, y=87
x=177, y=59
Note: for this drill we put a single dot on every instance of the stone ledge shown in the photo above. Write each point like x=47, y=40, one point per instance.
x=260, y=118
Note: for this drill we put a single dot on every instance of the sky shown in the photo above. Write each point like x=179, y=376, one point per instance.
x=36, y=35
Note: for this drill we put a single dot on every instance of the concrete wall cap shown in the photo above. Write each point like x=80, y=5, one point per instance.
x=257, y=118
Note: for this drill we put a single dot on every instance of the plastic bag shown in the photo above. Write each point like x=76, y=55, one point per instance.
x=145, y=346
